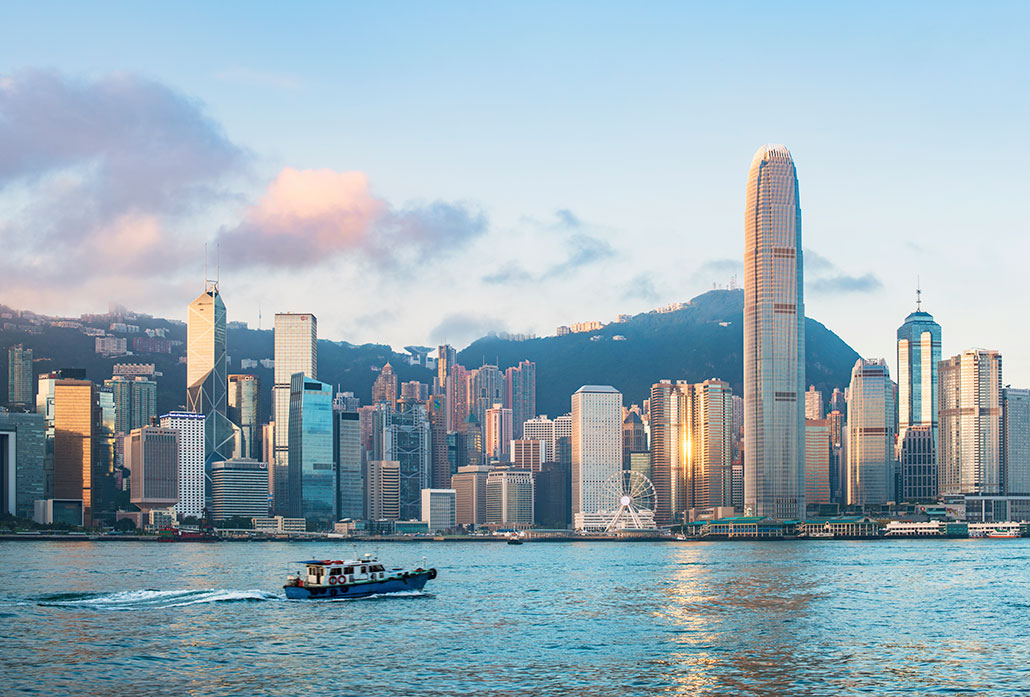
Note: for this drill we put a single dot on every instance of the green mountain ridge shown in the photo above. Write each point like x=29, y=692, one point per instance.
x=702, y=340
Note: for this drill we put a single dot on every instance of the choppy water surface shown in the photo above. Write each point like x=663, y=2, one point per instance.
x=803, y=618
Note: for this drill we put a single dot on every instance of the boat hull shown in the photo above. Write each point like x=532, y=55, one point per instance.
x=411, y=582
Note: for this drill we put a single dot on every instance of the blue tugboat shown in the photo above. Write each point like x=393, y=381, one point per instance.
x=335, y=580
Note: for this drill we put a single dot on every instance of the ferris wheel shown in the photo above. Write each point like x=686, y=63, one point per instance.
x=635, y=500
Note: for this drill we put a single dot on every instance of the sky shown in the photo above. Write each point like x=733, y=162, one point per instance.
x=416, y=173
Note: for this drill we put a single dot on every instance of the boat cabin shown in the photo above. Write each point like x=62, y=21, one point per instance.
x=332, y=573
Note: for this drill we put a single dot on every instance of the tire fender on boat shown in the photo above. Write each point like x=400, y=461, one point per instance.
x=432, y=574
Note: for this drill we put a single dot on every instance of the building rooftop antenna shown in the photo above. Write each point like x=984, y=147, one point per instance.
x=919, y=295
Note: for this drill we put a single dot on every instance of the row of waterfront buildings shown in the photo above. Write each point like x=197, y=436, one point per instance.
x=472, y=443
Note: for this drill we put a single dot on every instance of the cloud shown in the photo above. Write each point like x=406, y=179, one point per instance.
x=510, y=274
x=581, y=249
x=567, y=218
x=839, y=284
x=98, y=171
x=718, y=270
x=641, y=287
x=462, y=328
x=816, y=263
x=308, y=217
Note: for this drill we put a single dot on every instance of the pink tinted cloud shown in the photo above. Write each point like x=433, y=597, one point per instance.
x=307, y=217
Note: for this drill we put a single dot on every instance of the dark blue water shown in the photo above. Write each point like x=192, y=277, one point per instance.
x=801, y=618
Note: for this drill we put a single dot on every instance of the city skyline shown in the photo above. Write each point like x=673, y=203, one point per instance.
x=557, y=217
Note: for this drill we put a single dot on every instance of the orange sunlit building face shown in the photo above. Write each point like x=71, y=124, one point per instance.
x=74, y=416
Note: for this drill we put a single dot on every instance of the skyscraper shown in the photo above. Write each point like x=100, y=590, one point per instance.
x=350, y=480
x=813, y=404
x=406, y=440
x=311, y=457
x=486, y=388
x=206, y=372
x=969, y=439
x=509, y=497
x=22, y=455
x=440, y=463
x=919, y=352
x=818, y=451
x=244, y=404
x=870, y=434
x=152, y=456
x=520, y=394
x=691, y=446
x=541, y=428
x=497, y=432
x=296, y=351
x=774, y=339
x=384, y=389
x=193, y=485
x=135, y=402
x=21, y=386
x=596, y=448
x=1016, y=438
x=75, y=424
x=469, y=483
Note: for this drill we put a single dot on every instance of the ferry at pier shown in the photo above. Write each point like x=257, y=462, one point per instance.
x=336, y=580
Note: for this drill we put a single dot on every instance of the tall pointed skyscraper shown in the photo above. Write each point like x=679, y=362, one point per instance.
x=206, y=372
x=774, y=339
x=919, y=352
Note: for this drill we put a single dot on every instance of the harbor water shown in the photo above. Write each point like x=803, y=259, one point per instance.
x=801, y=618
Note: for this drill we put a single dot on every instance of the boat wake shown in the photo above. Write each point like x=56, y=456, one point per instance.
x=151, y=599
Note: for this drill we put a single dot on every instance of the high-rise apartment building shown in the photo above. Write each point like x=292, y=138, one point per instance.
x=634, y=437
x=813, y=404
x=486, y=388
x=969, y=435
x=1016, y=440
x=596, y=448
x=520, y=394
x=135, y=402
x=870, y=435
x=207, y=372
x=75, y=425
x=774, y=339
x=312, y=454
x=152, y=457
x=446, y=357
x=193, y=490
x=296, y=351
x=21, y=386
x=384, y=389
x=244, y=409
x=497, y=432
x=456, y=387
